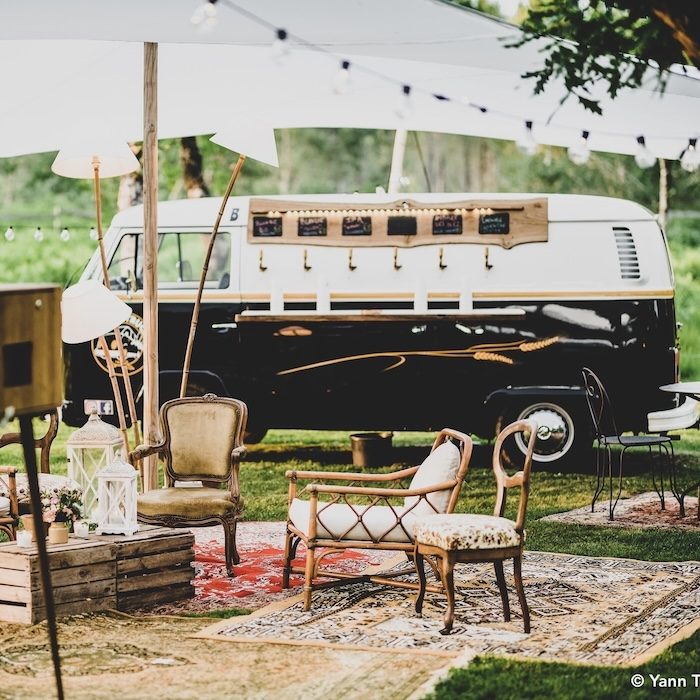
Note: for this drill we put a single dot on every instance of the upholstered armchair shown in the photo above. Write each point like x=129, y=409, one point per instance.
x=338, y=510
x=202, y=446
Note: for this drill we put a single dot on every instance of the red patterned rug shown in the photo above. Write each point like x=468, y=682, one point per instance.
x=258, y=578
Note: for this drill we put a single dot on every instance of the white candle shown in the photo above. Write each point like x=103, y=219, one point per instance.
x=24, y=539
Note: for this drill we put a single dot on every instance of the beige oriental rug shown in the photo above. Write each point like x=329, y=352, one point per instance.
x=584, y=609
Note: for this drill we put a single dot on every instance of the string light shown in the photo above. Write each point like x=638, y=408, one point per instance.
x=644, y=158
x=93, y=233
x=403, y=109
x=205, y=15
x=341, y=82
x=690, y=159
x=65, y=235
x=10, y=234
x=526, y=142
x=579, y=153
x=280, y=47
x=38, y=234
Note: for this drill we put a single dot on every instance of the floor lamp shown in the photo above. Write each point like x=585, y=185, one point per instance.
x=89, y=311
x=94, y=161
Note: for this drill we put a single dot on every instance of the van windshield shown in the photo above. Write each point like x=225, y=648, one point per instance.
x=180, y=260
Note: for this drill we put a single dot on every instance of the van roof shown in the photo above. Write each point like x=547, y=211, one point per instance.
x=562, y=207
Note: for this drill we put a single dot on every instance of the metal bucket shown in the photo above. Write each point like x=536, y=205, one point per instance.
x=371, y=449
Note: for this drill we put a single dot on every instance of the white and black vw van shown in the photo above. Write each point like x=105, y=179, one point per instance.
x=403, y=312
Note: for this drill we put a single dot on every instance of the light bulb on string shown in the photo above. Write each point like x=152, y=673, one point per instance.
x=341, y=82
x=526, y=143
x=644, y=158
x=38, y=234
x=690, y=160
x=65, y=235
x=579, y=153
x=280, y=47
x=403, y=109
x=93, y=233
x=205, y=16
x=10, y=234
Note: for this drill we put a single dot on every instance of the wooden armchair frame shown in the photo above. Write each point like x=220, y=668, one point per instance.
x=370, y=496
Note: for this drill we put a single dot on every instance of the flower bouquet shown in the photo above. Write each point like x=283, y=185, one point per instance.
x=61, y=504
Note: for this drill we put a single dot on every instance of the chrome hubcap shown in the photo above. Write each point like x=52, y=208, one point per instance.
x=555, y=432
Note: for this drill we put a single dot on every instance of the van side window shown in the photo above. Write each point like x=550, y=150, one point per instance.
x=180, y=260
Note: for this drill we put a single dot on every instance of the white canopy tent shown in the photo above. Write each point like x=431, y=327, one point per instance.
x=78, y=66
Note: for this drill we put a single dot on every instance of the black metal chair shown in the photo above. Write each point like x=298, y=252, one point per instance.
x=607, y=435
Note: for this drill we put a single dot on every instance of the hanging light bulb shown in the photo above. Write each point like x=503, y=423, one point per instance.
x=65, y=235
x=38, y=234
x=93, y=233
x=205, y=16
x=10, y=234
x=644, y=157
x=341, y=82
x=403, y=109
x=280, y=47
x=690, y=160
x=579, y=153
x=526, y=142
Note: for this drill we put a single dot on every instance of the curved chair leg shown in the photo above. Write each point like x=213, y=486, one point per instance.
x=291, y=542
x=308, y=575
x=449, y=584
x=518, y=575
x=501, y=579
x=658, y=487
x=420, y=569
x=619, y=484
x=230, y=550
x=599, y=475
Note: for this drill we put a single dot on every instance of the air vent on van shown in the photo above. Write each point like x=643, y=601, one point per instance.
x=626, y=253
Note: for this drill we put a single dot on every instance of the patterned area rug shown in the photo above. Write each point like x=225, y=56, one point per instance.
x=584, y=609
x=640, y=511
x=258, y=578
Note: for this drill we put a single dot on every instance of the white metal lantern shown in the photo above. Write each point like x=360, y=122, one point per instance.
x=90, y=449
x=116, y=494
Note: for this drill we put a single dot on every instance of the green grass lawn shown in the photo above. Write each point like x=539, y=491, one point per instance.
x=264, y=489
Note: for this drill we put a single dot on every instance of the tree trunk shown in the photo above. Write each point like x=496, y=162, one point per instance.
x=191, y=159
x=131, y=185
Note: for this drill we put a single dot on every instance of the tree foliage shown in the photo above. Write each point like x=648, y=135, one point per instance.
x=614, y=43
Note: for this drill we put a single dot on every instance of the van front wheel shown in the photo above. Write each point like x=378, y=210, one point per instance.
x=563, y=438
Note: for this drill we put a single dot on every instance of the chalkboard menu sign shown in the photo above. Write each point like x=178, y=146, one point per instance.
x=267, y=226
x=357, y=226
x=495, y=223
x=401, y=225
x=444, y=224
x=312, y=226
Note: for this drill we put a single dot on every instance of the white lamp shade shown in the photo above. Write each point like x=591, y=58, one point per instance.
x=251, y=140
x=90, y=310
x=77, y=160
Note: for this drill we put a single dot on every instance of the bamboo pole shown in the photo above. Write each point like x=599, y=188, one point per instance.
x=117, y=335
x=150, y=251
x=397, y=158
x=116, y=391
x=203, y=276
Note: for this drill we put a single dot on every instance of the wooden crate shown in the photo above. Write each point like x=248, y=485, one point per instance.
x=83, y=577
x=153, y=566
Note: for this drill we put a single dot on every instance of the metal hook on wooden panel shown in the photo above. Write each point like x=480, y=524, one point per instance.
x=306, y=258
x=442, y=265
x=487, y=264
x=350, y=265
x=261, y=263
x=397, y=266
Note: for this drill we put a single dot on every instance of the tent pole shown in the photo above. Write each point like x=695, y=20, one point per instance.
x=397, y=158
x=150, y=252
x=203, y=276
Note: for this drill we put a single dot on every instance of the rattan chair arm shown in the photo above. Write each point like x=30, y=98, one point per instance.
x=239, y=453
x=369, y=491
x=351, y=476
x=11, y=471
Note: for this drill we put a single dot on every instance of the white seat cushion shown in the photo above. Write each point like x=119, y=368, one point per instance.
x=465, y=531
x=46, y=481
x=335, y=520
x=4, y=505
x=439, y=466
